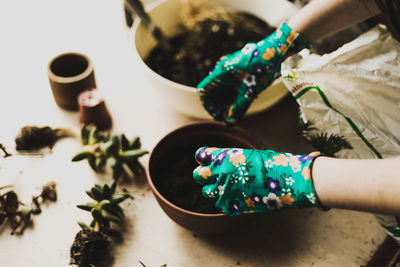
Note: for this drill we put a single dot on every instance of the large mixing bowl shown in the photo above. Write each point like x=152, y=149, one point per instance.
x=184, y=98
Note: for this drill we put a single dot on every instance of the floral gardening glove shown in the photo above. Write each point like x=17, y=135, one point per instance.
x=248, y=180
x=237, y=79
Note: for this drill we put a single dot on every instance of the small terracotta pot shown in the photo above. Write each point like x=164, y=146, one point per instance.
x=198, y=222
x=93, y=109
x=70, y=74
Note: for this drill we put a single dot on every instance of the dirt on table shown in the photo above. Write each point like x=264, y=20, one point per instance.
x=195, y=52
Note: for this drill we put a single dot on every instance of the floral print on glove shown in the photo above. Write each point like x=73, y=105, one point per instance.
x=237, y=79
x=249, y=181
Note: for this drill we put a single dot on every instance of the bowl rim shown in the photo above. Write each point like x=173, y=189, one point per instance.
x=69, y=79
x=133, y=31
x=260, y=104
x=250, y=139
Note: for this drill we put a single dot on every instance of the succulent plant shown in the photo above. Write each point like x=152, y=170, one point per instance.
x=105, y=208
x=91, y=243
x=116, y=151
x=327, y=144
x=19, y=216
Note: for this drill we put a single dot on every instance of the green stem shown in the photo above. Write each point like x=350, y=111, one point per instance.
x=96, y=227
x=6, y=154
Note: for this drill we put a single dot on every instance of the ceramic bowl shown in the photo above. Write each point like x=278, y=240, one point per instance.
x=207, y=134
x=184, y=98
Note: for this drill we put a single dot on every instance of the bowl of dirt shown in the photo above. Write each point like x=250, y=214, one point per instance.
x=199, y=35
x=170, y=175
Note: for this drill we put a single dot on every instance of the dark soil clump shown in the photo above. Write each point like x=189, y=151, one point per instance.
x=89, y=247
x=35, y=138
x=195, y=52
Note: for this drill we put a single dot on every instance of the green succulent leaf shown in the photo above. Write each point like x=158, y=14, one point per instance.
x=100, y=163
x=135, y=143
x=85, y=207
x=97, y=215
x=124, y=142
x=104, y=202
x=6, y=186
x=92, y=163
x=98, y=193
x=116, y=140
x=117, y=170
x=82, y=155
x=91, y=195
x=114, y=209
x=98, y=187
x=108, y=147
x=106, y=191
x=113, y=187
x=132, y=154
x=85, y=135
x=110, y=232
x=109, y=216
x=118, y=198
x=83, y=225
x=92, y=138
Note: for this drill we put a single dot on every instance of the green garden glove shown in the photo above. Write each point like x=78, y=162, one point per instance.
x=237, y=79
x=248, y=180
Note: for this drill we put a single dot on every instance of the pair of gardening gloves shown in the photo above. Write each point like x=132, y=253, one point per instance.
x=247, y=180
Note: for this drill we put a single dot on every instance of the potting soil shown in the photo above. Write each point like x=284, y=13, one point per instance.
x=194, y=53
x=174, y=177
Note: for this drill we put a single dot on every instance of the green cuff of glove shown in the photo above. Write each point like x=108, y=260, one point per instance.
x=290, y=41
x=255, y=181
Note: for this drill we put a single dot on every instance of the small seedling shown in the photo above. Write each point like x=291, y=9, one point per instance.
x=327, y=144
x=91, y=244
x=18, y=215
x=5, y=152
x=115, y=150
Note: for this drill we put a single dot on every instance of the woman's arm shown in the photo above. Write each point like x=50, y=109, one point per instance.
x=324, y=17
x=368, y=185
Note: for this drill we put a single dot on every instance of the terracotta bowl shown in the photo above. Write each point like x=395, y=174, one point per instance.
x=206, y=134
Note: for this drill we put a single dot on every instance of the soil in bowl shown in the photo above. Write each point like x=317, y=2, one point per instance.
x=195, y=51
x=175, y=177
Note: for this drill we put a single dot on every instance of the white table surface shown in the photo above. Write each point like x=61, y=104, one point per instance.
x=33, y=32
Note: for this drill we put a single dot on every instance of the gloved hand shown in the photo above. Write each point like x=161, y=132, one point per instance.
x=237, y=79
x=248, y=180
